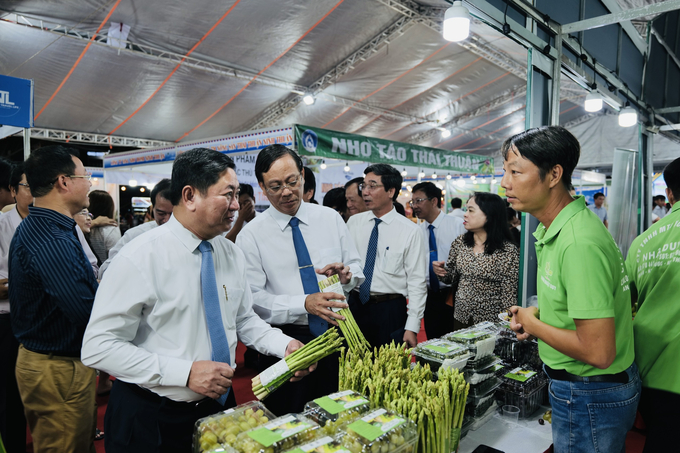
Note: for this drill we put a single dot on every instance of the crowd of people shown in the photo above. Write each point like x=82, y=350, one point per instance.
x=163, y=307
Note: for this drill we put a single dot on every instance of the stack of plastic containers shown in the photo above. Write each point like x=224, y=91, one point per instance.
x=334, y=411
x=518, y=353
x=523, y=388
x=441, y=353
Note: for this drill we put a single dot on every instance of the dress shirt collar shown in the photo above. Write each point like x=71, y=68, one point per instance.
x=387, y=218
x=60, y=219
x=186, y=237
x=438, y=221
x=14, y=217
x=283, y=219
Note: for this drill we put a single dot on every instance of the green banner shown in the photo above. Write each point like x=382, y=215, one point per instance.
x=312, y=141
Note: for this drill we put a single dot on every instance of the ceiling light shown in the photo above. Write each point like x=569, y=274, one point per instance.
x=456, y=23
x=448, y=176
x=593, y=102
x=421, y=174
x=627, y=116
x=473, y=177
x=443, y=192
x=308, y=98
x=123, y=188
x=446, y=133
x=323, y=165
x=347, y=167
x=434, y=175
x=404, y=172
x=132, y=183
x=142, y=189
x=494, y=181
x=95, y=180
x=409, y=188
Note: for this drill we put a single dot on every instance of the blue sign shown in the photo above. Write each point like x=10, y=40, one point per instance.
x=16, y=102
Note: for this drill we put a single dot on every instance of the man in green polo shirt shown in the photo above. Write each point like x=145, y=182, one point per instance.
x=654, y=268
x=585, y=330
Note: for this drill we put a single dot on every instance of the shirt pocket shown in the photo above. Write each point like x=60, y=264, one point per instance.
x=328, y=256
x=392, y=262
x=231, y=299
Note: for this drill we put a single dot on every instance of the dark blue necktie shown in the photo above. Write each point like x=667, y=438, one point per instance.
x=213, y=314
x=309, y=281
x=369, y=264
x=434, y=281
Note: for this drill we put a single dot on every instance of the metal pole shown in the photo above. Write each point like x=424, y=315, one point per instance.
x=27, y=143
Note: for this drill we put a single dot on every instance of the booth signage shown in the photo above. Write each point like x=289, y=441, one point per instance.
x=339, y=145
x=16, y=102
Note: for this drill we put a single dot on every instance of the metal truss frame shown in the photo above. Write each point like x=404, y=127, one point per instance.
x=96, y=139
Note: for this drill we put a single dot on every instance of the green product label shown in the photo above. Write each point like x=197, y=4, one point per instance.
x=376, y=424
x=329, y=405
x=497, y=367
x=466, y=336
x=520, y=374
x=342, y=401
x=278, y=430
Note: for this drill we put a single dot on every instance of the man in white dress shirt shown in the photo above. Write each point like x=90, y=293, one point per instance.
x=173, y=301
x=456, y=205
x=441, y=230
x=394, y=261
x=276, y=274
x=162, y=210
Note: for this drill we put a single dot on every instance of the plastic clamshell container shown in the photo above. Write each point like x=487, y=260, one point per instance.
x=528, y=403
x=337, y=409
x=278, y=435
x=325, y=444
x=216, y=431
x=521, y=380
x=438, y=351
x=480, y=363
x=477, y=376
x=378, y=431
x=483, y=389
x=482, y=405
x=517, y=352
x=481, y=342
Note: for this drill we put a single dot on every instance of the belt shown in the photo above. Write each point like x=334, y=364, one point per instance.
x=55, y=354
x=376, y=299
x=155, y=398
x=563, y=375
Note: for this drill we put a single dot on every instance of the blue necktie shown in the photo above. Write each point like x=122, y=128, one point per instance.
x=213, y=314
x=365, y=290
x=434, y=281
x=309, y=281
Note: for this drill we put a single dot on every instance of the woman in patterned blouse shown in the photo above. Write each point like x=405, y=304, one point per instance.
x=483, y=264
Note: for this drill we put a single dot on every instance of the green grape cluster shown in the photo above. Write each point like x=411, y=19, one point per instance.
x=224, y=429
x=331, y=427
x=386, y=443
x=246, y=444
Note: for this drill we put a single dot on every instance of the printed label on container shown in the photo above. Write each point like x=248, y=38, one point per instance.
x=442, y=347
x=273, y=372
x=520, y=374
x=376, y=424
x=332, y=285
x=497, y=367
x=229, y=411
x=321, y=446
x=469, y=335
x=341, y=401
x=277, y=430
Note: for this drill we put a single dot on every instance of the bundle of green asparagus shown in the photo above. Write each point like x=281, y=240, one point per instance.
x=350, y=330
x=386, y=378
x=278, y=374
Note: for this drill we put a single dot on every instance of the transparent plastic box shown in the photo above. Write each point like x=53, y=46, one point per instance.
x=278, y=435
x=481, y=404
x=378, y=431
x=517, y=352
x=522, y=380
x=528, y=403
x=483, y=389
x=480, y=363
x=481, y=342
x=438, y=351
x=477, y=376
x=218, y=430
x=336, y=410
x=325, y=444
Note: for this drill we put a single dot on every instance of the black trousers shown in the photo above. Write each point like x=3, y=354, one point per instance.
x=661, y=412
x=292, y=396
x=380, y=322
x=438, y=316
x=12, y=419
x=137, y=420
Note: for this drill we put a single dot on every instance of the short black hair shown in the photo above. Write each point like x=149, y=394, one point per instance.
x=598, y=195
x=310, y=181
x=45, y=165
x=271, y=154
x=246, y=189
x=456, y=203
x=399, y=207
x=162, y=188
x=660, y=197
x=5, y=173
x=199, y=168
x=101, y=204
x=496, y=226
x=546, y=147
x=335, y=198
x=389, y=176
x=17, y=173
x=356, y=181
x=430, y=190
x=671, y=174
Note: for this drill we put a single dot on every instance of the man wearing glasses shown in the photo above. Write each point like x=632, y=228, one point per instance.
x=51, y=296
x=439, y=230
x=395, y=263
x=289, y=248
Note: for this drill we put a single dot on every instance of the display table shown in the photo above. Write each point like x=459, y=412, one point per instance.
x=525, y=436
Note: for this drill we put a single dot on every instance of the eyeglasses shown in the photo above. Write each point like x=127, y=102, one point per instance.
x=85, y=177
x=86, y=213
x=369, y=187
x=23, y=184
x=292, y=184
x=417, y=201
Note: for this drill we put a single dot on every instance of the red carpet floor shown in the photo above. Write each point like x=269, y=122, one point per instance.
x=635, y=440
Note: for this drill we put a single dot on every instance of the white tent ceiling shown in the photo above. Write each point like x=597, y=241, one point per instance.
x=378, y=67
